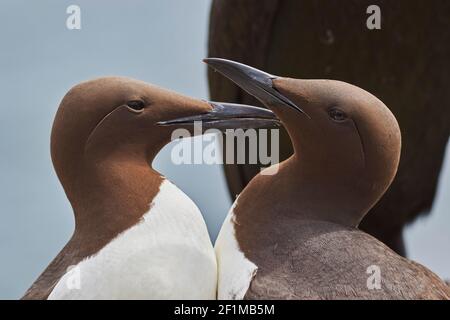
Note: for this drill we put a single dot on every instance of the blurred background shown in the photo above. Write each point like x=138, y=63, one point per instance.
x=158, y=41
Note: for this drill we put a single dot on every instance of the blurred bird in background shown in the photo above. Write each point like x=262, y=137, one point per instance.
x=405, y=64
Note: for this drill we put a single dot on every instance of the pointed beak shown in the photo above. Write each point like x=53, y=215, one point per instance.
x=256, y=82
x=229, y=116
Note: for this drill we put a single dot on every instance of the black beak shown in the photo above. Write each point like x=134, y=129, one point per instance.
x=229, y=116
x=256, y=82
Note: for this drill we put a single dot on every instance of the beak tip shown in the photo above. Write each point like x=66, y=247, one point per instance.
x=213, y=63
x=208, y=60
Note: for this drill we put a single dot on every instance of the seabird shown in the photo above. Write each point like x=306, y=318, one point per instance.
x=294, y=235
x=137, y=236
x=401, y=64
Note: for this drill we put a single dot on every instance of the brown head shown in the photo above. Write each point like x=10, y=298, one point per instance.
x=346, y=141
x=107, y=131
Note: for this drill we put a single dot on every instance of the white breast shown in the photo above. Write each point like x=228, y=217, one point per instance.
x=167, y=256
x=235, y=271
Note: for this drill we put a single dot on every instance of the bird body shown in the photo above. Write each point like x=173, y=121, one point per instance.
x=160, y=257
x=276, y=254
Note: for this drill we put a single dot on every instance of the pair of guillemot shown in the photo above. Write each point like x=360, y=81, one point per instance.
x=292, y=235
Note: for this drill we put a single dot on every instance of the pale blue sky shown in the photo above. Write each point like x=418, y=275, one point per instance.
x=158, y=41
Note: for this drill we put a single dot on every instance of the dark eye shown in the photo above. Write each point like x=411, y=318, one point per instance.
x=136, y=105
x=337, y=114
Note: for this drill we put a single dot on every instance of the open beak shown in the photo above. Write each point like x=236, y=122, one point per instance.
x=229, y=116
x=256, y=82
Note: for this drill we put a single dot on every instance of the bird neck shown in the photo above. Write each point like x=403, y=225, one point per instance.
x=326, y=193
x=298, y=193
x=112, y=195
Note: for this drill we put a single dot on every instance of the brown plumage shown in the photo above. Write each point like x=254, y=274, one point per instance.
x=325, y=271
x=404, y=64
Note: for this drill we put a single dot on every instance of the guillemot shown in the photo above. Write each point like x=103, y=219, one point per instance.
x=137, y=236
x=405, y=72
x=294, y=235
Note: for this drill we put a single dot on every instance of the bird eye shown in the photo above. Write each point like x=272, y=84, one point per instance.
x=136, y=105
x=337, y=115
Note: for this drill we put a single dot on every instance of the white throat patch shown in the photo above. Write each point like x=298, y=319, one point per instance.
x=235, y=271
